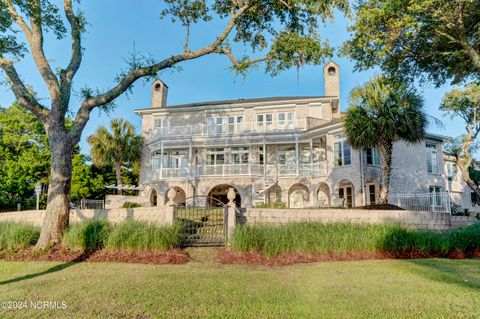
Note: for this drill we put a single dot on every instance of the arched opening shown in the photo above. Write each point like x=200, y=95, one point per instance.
x=274, y=194
x=323, y=195
x=179, y=198
x=158, y=86
x=298, y=196
x=346, y=192
x=332, y=71
x=372, y=191
x=219, y=193
x=153, y=197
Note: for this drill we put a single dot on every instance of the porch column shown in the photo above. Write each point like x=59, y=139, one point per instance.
x=189, y=163
x=264, y=159
x=161, y=160
x=297, y=156
x=312, y=170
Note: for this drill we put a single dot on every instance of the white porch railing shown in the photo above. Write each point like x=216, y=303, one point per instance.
x=438, y=202
x=230, y=170
x=304, y=169
x=229, y=129
x=272, y=170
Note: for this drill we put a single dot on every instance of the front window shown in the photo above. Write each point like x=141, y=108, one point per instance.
x=373, y=156
x=264, y=121
x=346, y=192
x=452, y=171
x=286, y=119
x=372, y=195
x=235, y=123
x=435, y=196
x=305, y=154
x=240, y=155
x=432, y=158
x=343, y=151
x=214, y=125
x=261, y=159
x=156, y=160
x=162, y=122
x=216, y=156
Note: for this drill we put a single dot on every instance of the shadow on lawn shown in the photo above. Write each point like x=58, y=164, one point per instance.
x=53, y=269
x=465, y=274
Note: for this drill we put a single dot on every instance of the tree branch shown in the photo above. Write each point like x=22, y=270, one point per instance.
x=126, y=81
x=235, y=62
x=34, y=37
x=76, y=57
x=67, y=75
x=21, y=92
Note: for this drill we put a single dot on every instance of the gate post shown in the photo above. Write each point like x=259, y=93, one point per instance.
x=170, y=207
x=231, y=213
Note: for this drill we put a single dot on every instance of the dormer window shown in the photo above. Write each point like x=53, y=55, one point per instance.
x=332, y=71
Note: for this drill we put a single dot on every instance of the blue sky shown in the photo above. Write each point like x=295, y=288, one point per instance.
x=117, y=26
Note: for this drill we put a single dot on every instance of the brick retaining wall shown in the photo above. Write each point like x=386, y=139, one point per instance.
x=411, y=219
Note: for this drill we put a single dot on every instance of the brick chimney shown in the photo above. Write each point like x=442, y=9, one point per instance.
x=159, y=94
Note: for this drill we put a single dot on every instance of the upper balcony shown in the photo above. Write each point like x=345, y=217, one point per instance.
x=274, y=171
x=228, y=129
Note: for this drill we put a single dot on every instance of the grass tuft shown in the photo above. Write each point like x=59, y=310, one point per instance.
x=142, y=235
x=92, y=234
x=320, y=238
x=15, y=235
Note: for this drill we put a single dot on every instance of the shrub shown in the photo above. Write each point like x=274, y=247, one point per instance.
x=92, y=234
x=142, y=235
x=320, y=238
x=277, y=204
x=131, y=205
x=15, y=235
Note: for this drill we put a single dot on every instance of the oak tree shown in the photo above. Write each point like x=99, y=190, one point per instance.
x=279, y=34
x=436, y=39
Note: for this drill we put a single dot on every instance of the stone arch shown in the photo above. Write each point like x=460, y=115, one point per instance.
x=180, y=196
x=346, y=191
x=323, y=195
x=153, y=197
x=219, y=192
x=298, y=196
x=332, y=70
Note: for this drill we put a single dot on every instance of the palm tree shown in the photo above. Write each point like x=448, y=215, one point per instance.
x=118, y=146
x=382, y=112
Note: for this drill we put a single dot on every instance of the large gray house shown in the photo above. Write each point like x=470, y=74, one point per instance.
x=289, y=149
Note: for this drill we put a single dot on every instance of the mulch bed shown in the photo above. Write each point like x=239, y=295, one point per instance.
x=227, y=256
x=63, y=254
x=379, y=207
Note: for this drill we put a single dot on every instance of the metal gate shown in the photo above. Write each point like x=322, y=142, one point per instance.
x=204, y=221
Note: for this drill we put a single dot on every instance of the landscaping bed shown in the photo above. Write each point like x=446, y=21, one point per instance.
x=97, y=241
x=65, y=254
x=229, y=257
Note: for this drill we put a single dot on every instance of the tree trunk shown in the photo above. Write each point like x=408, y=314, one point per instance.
x=385, y=150
x=118, y=175
x=57, y=216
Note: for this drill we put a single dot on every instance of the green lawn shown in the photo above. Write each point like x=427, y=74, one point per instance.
x=436, y=288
